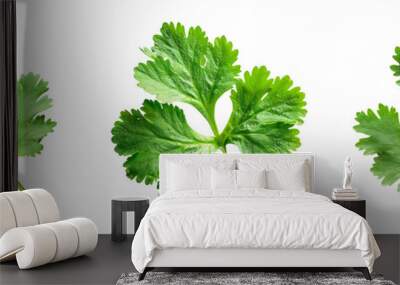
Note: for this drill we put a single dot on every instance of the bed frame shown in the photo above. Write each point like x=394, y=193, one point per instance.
x=236, y=259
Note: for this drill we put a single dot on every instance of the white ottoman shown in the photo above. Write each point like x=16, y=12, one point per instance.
x=32, y=233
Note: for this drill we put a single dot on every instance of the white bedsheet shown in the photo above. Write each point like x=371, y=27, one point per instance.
x=250, y=219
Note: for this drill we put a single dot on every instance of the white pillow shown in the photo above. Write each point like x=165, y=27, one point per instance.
x=251, y=178
x=284, y=174
x=188, y=177
x=293, y=178
x=223, y=179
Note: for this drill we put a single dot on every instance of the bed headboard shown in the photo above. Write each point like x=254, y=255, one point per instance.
x=218, y=159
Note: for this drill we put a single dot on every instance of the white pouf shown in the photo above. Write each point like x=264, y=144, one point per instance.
x=31, y=232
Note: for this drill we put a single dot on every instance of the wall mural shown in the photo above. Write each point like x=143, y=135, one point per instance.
x=383, y=130
x=185, y=66
x=33, y=126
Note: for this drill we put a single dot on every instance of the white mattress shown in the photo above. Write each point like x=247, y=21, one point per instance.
x=252, y=219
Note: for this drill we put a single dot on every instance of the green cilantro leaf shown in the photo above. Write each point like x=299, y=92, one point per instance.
x=383, y=140
x=396, y=67
x=186, y=67
x=265, y=111
x=155, y=128
x=32, y=124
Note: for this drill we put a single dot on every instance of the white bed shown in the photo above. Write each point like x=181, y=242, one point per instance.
x=250, y=227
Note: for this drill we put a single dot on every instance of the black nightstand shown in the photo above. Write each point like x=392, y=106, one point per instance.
x=119, y=207
x=357, y=206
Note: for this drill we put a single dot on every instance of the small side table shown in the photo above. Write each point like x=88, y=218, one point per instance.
x=119, y=207
x=357, y=206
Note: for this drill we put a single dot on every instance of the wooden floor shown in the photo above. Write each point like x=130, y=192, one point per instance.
x=110, y=260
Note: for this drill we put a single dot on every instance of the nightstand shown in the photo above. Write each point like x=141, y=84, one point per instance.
x=357, y=206
x=119, y=207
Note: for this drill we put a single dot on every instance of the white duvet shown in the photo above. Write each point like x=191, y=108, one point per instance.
x=250, y=219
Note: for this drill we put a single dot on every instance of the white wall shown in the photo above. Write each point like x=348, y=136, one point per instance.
x=339, y=52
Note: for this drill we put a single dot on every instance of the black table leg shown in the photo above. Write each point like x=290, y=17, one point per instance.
x=118, y=217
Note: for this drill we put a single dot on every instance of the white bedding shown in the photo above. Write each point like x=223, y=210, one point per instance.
x=250, y=219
